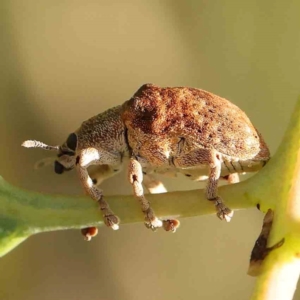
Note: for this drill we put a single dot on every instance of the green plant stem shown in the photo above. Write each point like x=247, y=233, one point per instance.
x=281, y=192
x=280, y=273
x=24, y=213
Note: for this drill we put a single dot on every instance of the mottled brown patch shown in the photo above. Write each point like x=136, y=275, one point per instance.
x=202, y=118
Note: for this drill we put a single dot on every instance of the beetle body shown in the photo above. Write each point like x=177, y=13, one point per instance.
x=167, y=131
x=166, y=125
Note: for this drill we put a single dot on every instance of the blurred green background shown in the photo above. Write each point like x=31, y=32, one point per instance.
x=65, y=61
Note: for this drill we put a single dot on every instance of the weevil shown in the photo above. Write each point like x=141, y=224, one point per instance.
x=162, y=130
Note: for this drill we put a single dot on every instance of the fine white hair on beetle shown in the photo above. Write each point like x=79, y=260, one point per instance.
x=37, y=144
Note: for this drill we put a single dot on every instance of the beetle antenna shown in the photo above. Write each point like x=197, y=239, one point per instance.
x=37, y=144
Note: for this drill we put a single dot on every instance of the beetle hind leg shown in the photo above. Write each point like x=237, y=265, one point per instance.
x=214, y=160
x=232, y=178
x=223, y=212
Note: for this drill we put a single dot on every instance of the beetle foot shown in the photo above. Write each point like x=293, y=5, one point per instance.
x=150, y=226
x=154, y=224
x=223, y=212
x=109, y=218
x=111, y=221
x=171, y=225
x=151, y=221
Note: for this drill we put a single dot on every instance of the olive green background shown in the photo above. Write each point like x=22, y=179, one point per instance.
x=64, y=61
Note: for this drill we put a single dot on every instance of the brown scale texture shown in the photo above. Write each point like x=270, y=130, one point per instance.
x=201, y=118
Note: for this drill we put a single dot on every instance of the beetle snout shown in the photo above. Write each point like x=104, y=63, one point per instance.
x=58, y=167
x=62, y=166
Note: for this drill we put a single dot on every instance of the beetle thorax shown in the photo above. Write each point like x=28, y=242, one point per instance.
x=105, y=131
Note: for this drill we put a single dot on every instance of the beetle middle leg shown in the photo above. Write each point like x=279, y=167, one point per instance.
x=135, y=175
x=214, y=160
x=155, y=186
x=223, y=212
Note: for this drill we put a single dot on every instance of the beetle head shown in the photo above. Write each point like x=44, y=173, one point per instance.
x=66, y=152
x=66, y=155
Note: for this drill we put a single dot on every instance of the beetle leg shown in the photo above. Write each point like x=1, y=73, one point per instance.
x=88, y=157
x=135, y=175
x=99, y=173
x=232, y=178
x=214, y=160
x=155, y=186
x=223, y=212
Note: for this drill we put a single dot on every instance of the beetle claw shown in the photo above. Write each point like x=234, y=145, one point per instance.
x=153, y=223
x=223, y=212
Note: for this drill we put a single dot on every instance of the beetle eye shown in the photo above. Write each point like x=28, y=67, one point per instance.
x=72, y=141
x=58, y=167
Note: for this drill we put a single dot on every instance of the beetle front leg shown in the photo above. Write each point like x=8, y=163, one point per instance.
x=86, y=158
x=135, y=175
